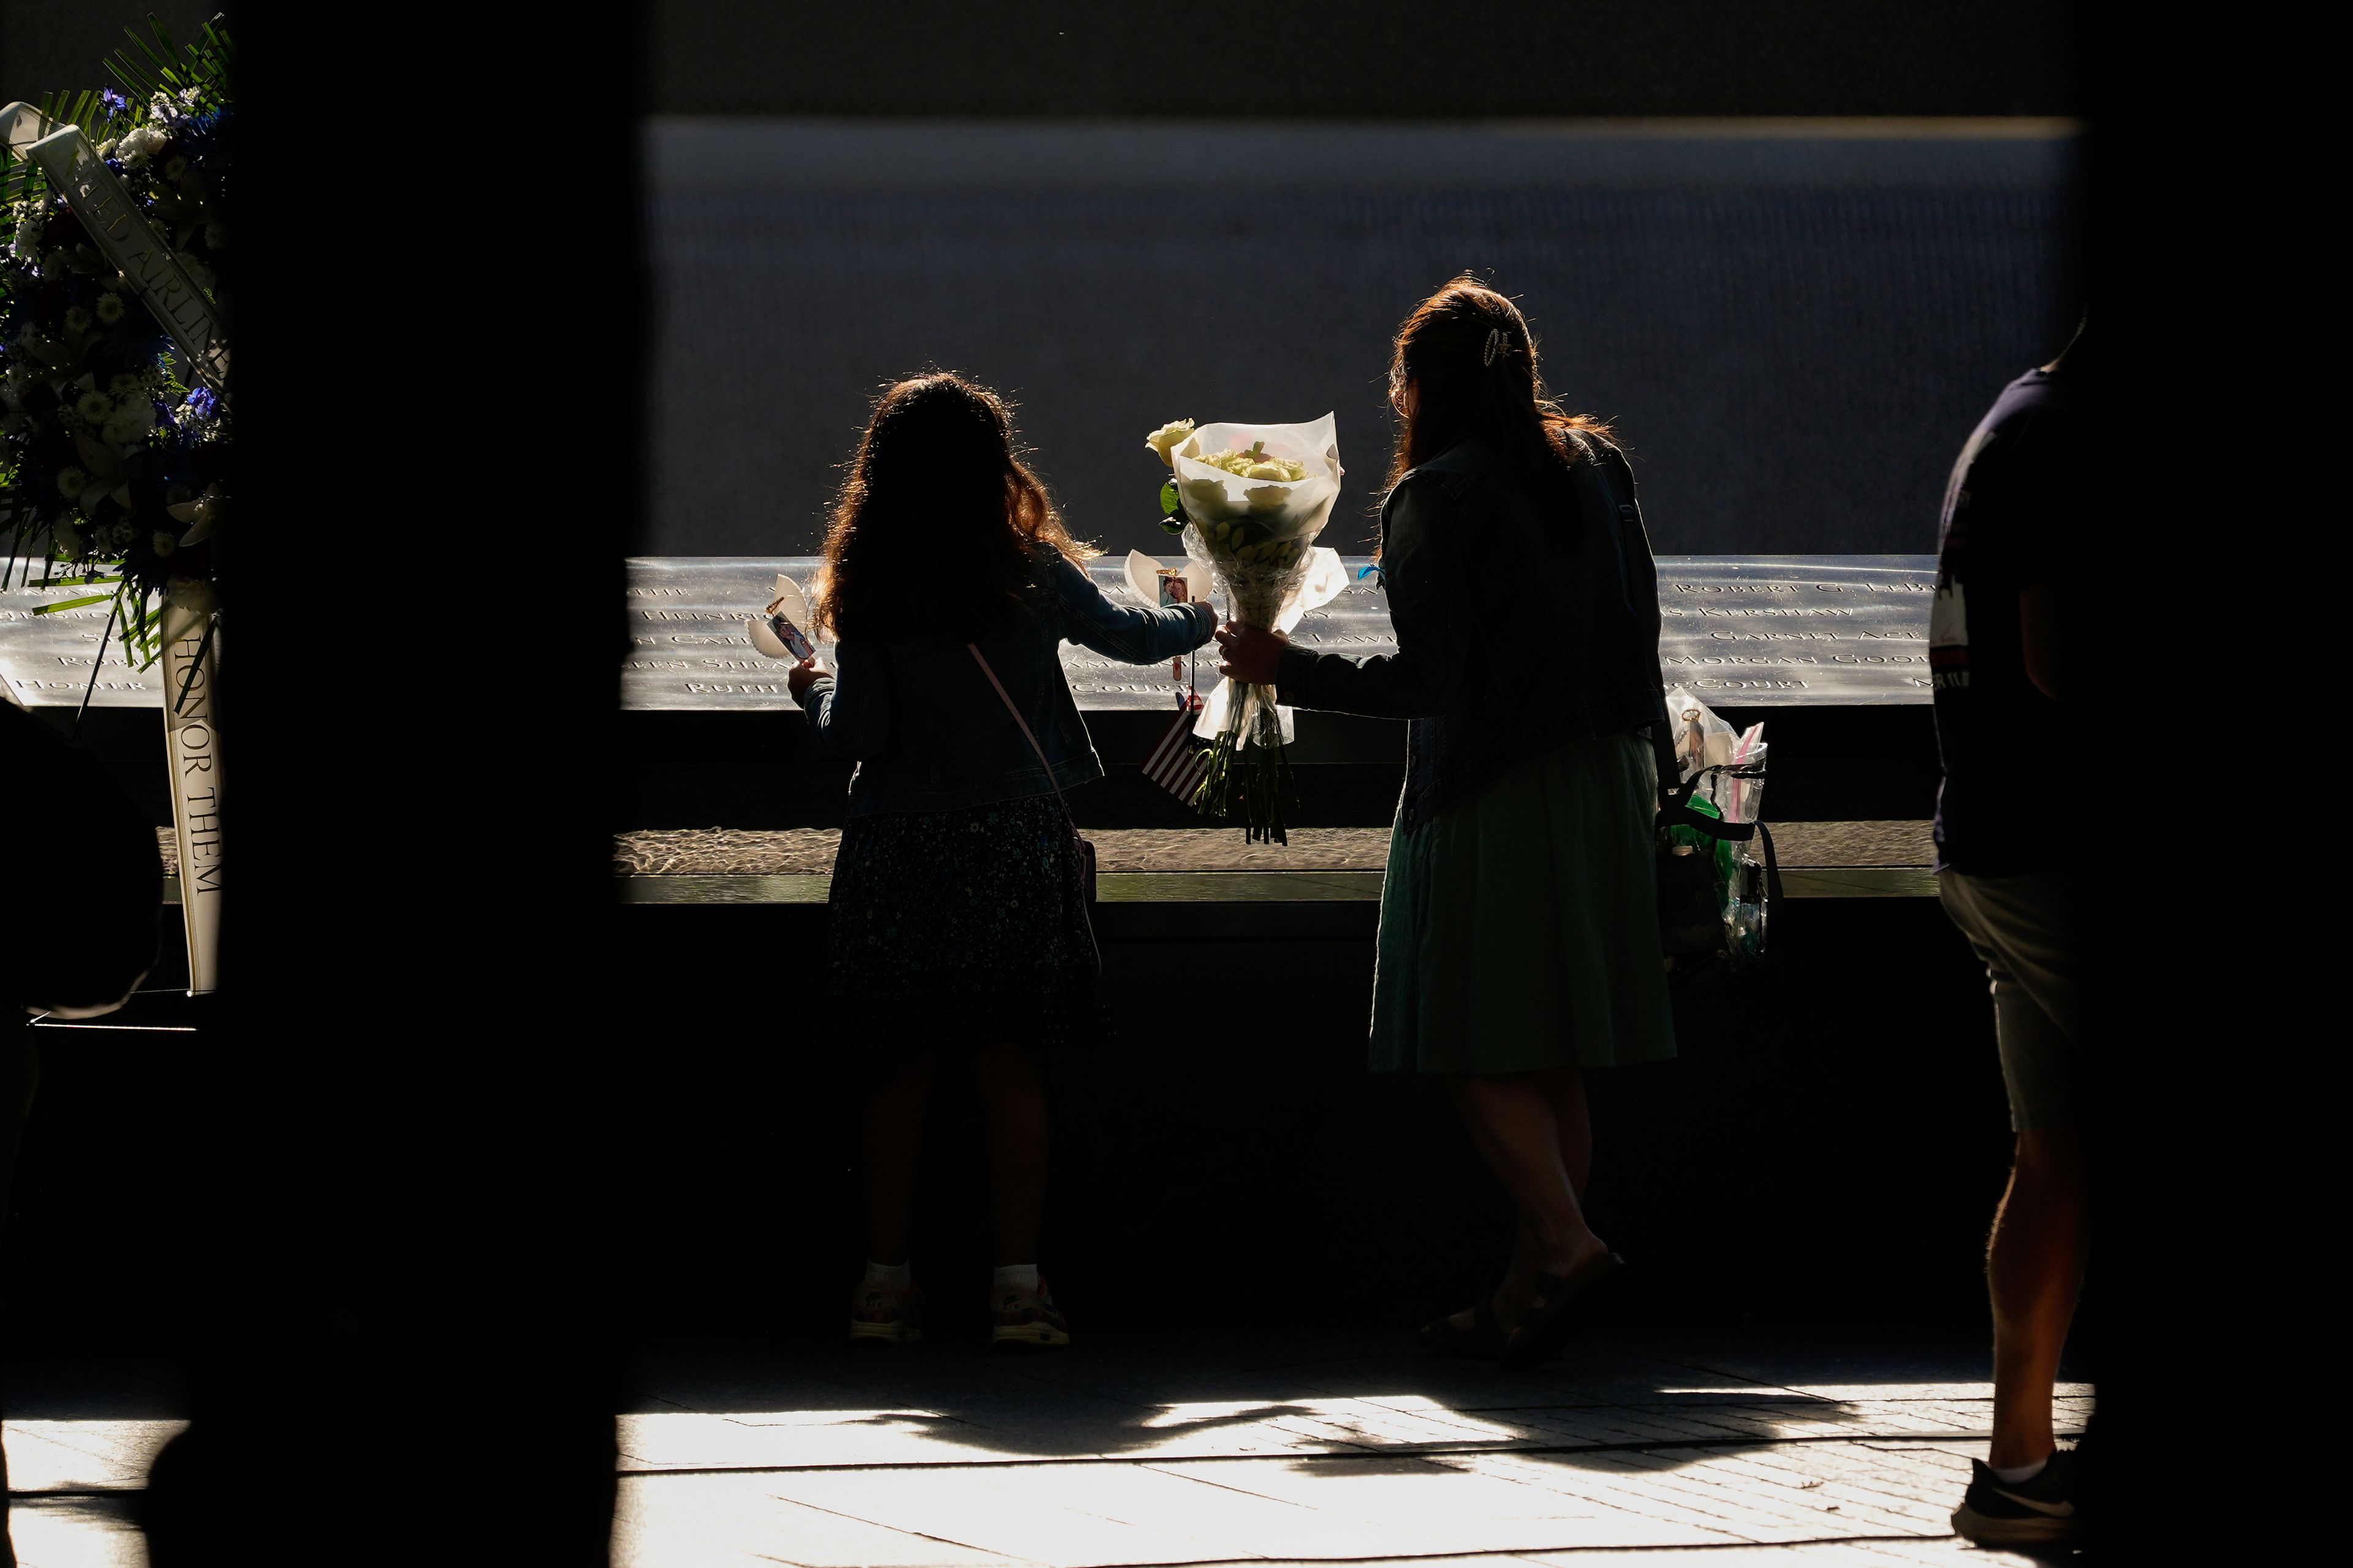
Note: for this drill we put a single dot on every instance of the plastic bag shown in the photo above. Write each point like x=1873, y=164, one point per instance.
x=1732, y=761
x=1701, y=738
x=1726, y=769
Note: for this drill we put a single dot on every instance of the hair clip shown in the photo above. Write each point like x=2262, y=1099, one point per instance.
x=1497, y=344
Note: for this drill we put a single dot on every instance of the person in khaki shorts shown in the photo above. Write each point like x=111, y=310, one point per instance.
x=1998, y=652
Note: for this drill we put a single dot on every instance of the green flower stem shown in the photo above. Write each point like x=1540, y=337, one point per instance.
x=1261, y=782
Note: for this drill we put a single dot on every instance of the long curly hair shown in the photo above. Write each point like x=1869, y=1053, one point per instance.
x=935, y=534
x=1470, y=359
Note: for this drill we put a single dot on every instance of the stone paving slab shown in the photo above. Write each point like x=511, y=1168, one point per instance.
x=83, y=1456
x=688, y=1522
x=1317, y=1453
x=1227, y=887
x=1795, y=1504
x=809, y=851
x=76, y=1533
x=1830, y=1554
x=806, y=851
x=1296, y=1427
x=1196, y=1450
x=735, y=854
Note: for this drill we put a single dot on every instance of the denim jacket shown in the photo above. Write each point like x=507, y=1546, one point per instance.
x=928, y=732
x=1526, y=612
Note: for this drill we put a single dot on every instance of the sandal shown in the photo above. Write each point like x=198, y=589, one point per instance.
x=1538, y=1334
x=1484, y=1337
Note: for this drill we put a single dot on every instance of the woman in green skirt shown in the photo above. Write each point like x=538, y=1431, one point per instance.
x=1519, y=938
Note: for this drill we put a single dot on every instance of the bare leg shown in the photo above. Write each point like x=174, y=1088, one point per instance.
x=1565, y=1088
x=1013, y=1108
x=2034, y=1267
x=1510, y=1297
x=893, y=1138
x=1514, y=1121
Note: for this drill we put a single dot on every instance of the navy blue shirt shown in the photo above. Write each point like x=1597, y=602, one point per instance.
x=2015, y=512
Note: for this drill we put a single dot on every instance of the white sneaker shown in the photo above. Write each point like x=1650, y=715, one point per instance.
x=886, y=1314
x=1027, y=1317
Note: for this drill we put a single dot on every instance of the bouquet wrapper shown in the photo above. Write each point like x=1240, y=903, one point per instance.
x=1286, y=577
x=191, y=745
x=1320, y=582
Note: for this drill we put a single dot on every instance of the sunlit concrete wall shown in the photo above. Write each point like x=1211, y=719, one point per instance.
x=1794, y=325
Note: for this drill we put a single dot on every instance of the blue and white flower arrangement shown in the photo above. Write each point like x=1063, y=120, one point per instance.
x=115, y=470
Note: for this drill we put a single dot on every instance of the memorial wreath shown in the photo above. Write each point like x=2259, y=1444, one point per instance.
x=114, y=447
x=115, y=424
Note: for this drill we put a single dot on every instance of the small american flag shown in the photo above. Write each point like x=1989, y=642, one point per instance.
x=1176, y=764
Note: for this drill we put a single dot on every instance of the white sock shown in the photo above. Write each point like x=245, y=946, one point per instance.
x=1022, y=1274
x=898, y=1275
x=2011, y=1474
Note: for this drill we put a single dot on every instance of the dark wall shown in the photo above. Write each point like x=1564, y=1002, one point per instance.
x=1344, y=58
x=60, y=45
x=1796, y=324
x=1366, y=58
x=1794, y=333
x=409, y=1180
x=1824, y=1151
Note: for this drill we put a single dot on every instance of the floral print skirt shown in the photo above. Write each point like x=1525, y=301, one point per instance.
x=961, y=927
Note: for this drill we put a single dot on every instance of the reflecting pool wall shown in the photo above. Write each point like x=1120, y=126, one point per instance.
x=1795, y=331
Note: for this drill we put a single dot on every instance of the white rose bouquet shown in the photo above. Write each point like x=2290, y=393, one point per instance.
x=1249, y=500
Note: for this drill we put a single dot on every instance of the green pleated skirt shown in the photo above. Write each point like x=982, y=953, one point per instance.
x=1520, y=927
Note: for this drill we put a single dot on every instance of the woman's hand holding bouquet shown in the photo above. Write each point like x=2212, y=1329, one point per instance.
x=1249, y=501
x=1250, y=654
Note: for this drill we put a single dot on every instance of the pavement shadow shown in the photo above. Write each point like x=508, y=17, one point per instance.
x=1317, y=1402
